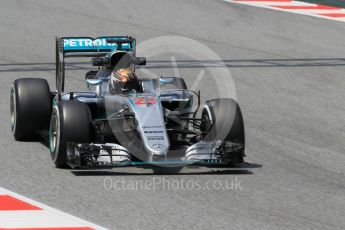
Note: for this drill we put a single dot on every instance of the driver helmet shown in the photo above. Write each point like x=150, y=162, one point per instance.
x=122, y=77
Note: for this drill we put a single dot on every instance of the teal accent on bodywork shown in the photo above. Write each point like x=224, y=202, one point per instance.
x=94, y=81
x=132, y=104
x=54, y=101
x=102, y=115
x=189, y=105
x=163, y=81
x=173, y=162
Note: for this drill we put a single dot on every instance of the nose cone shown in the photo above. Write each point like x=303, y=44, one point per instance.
x=158, y=152
x=151, y=126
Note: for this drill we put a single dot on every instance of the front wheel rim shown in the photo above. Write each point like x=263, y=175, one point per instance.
x=13, y=110
x=53, y=133
x=206, y=120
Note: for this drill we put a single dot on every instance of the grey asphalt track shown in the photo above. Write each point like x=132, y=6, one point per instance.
x=289, y=72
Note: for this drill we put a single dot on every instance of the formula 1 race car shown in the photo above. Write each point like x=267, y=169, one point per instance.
x=124, y=120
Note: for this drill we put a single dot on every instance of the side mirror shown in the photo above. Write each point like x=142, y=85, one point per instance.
x=140, y=60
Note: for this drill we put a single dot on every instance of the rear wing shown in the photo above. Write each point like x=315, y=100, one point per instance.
x=68, y=47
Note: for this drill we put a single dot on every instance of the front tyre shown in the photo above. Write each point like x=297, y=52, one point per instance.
x=222, y=121
x=70, y=122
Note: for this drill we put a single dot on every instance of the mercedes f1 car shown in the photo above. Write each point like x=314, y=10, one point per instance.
x=124, y=120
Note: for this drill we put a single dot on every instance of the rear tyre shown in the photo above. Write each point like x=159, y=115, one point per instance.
x=70, y=122
x=30, y=106
x=222, y=121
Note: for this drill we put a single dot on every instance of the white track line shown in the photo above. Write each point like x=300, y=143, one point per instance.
x=273, y=5
x=46, y=218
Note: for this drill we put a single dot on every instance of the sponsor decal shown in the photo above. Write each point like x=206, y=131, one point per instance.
x=155, y=138
x=152, y=127
x=145, y=100
x=90, y=44
x=154, y=132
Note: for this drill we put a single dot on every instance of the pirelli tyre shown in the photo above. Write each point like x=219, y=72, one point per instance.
x=222, y=121
x=70, y=122
x=30, y=105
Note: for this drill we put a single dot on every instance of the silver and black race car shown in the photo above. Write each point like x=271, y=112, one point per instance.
x=124, y=120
